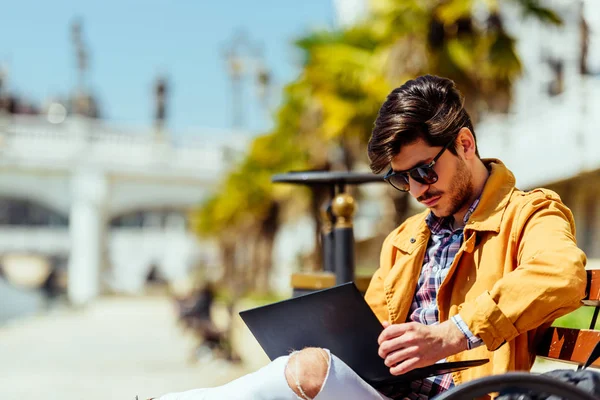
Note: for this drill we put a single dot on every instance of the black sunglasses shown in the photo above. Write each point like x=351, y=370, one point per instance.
x=423, y=173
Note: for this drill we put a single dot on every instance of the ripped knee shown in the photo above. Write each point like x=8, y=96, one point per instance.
x=306, y=371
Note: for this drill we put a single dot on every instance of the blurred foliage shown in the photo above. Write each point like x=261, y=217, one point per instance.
x=345, y=76
x=578, y=319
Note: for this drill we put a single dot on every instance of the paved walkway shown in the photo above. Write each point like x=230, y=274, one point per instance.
x=116, y=348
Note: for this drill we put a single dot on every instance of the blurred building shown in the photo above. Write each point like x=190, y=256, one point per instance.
x=105, y=202
x=348, y=12
x=550, y=137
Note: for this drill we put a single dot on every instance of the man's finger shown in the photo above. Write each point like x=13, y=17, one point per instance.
x=391, y=345
x=405, y=366
x=398, y=356
x=392, y=331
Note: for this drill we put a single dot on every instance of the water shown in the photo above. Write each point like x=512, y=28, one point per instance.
x=17, y=302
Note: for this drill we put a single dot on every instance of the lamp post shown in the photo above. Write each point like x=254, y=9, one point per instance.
x=81, y=100
x=245, y=60
x=161, y=90
x=337, y=234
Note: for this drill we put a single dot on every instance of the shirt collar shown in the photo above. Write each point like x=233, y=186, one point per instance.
x=438, y=224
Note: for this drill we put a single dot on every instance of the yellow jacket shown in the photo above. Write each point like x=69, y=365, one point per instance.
x=518, y=269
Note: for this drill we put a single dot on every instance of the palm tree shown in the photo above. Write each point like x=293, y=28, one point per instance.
x=346, y=75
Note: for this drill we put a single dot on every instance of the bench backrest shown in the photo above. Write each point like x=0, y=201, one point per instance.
x=575, y=345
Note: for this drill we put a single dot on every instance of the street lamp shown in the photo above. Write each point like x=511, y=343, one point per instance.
x=161, y=90
x=245, y=59
x=80, y=100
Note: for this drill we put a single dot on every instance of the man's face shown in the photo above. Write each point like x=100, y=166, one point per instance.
x=453, y=190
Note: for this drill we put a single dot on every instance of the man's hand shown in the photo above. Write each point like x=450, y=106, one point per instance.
x=412, y=345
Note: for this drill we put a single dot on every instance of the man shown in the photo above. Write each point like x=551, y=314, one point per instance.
x=479, y=274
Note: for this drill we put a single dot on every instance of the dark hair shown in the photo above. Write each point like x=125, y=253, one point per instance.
x=428, y=107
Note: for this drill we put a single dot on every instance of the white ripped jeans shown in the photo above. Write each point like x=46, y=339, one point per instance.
x=269, y=383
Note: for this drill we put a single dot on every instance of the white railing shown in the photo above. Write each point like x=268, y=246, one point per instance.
x=35, y=142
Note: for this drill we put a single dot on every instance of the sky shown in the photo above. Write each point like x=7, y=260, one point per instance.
x=132, y=42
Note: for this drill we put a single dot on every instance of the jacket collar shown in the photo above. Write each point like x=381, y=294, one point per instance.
x=487, y=216
x=494, y=198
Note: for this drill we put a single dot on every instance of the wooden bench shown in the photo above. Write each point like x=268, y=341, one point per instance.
x=575, y=345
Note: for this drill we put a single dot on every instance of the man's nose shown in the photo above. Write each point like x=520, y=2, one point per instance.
x=417, y=189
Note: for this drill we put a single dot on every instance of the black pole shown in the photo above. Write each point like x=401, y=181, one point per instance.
x=327, y=239
x=344, y=255
x=343, y=207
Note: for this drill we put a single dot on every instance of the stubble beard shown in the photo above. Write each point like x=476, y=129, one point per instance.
x=462, y=188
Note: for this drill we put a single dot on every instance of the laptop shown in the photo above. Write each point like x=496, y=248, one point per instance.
x=340, y=320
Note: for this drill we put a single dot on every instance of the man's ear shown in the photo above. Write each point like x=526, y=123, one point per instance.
x=466, y=143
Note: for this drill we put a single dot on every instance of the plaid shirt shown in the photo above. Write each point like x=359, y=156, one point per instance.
x=443, y=245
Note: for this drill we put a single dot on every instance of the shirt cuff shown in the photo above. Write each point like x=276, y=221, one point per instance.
x=472, y=340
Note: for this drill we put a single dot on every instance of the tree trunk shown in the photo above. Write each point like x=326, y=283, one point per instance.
x=250, y=260
x=320, y=197
x=228, y=259
x=268, y=231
